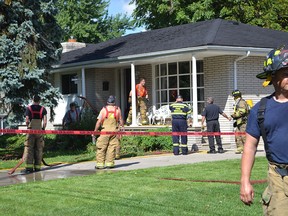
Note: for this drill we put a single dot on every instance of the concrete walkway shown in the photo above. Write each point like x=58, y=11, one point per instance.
x=87, y=168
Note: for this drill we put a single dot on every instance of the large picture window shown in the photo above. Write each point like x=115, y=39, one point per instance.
x=69, y=86
x=176, y=78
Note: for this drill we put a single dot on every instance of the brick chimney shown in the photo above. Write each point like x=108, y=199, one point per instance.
x=72, y=44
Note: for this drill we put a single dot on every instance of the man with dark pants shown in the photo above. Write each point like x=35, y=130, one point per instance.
x=35, y=115
x=211, y=114
x=179, y=112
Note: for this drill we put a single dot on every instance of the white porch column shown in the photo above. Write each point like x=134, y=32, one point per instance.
x=83, y=82
x=133, y=84
x=194, y=95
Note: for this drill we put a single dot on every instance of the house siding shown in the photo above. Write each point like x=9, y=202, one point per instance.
x=219, y=83
x=94, y=86
x=145, y=71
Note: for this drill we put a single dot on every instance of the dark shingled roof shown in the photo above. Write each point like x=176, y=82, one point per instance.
x=216, y=32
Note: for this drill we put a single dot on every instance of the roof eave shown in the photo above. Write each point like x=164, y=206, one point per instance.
x=132, y=58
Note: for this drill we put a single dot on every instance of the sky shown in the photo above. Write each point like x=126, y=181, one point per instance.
x=122, y=6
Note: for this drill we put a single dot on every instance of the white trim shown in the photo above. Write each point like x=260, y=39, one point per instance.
x=235, y=68
x=83, y=82
x=153, y=85
x=195, y=99
x=133, y=85
x=256, y=51
x=206, y=50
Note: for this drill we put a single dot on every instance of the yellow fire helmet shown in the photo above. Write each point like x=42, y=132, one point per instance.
x=275, y=60
x=236, y=93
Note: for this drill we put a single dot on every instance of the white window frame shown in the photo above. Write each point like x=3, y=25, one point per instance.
x=159, y=89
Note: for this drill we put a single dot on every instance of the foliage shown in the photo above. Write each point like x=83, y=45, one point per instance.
x=11, y=146
x=164, y=13
x=10, y=142
x=137, y=145
x=30, y=44
x=88, y=21
x=75, y=142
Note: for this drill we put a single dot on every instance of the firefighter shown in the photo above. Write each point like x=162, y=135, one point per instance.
x=179, y=112
x=268, y=119
x=142, y=99
x=240, y=116
x=109, y=119
x=36, y=119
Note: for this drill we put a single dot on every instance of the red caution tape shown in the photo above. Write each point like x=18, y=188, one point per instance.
x=125, y=133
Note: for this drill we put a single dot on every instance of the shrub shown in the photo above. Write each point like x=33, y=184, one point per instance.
x=12, y=146
x=138, y=145
x=75, y=142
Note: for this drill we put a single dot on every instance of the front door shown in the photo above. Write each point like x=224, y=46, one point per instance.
x=127, y=89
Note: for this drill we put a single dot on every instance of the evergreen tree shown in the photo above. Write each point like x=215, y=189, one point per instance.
x=30, y=44
x=88, y=21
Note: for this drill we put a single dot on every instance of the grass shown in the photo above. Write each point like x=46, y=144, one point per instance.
x=139, y=192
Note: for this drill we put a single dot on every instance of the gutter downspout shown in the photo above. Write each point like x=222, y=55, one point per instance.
x=235, y=67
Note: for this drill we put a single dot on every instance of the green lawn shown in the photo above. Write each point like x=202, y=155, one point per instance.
x=139, y=192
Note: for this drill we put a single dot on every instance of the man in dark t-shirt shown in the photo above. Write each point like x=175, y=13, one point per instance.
x=36, y=119
x=211, y=114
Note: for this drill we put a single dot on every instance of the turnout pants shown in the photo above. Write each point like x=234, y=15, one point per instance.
x=142, y=108
x=106, y=147
x=34, y=146
x=240, y=139
x=275, y=196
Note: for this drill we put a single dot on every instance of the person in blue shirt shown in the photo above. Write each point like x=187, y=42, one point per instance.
x=274, y=131
x=72, y=116
x=211, y=115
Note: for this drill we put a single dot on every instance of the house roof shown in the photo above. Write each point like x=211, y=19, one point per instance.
x=215, y=32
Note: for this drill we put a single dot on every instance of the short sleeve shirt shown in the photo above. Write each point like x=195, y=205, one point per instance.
x=36, y=108
x=276, y=127
x=211, y=112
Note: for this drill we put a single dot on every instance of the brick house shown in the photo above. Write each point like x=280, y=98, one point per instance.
x=197, y=60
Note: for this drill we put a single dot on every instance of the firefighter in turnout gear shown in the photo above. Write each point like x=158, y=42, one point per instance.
x=110, y=119
x=240, y=115
x=36, y=119
x=142, y=99
x=268, y=119
x=179, y=112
